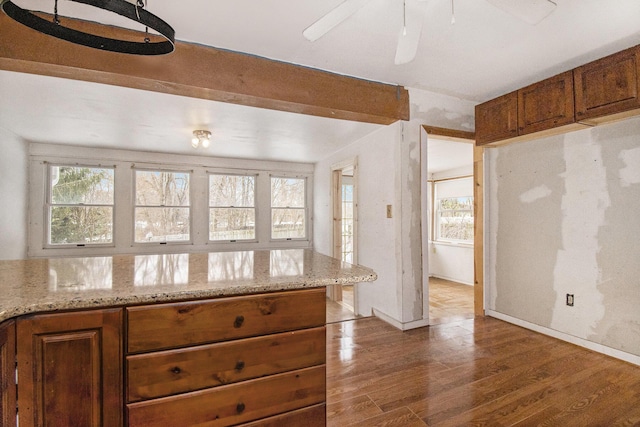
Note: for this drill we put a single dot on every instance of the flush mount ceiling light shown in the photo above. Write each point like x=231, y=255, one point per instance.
x=57, y=27
x=201, y=138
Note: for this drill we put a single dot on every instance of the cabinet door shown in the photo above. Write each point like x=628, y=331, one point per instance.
x=609, y=85
x=70, y=369
x=546, y=104
x=8, y=374
x=497, y=119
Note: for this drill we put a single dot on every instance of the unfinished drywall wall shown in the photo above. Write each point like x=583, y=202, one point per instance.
x=377, y=246
x=563, y=219
x=13, y=196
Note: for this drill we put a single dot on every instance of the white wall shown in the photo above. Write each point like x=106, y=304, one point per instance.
x=563, y=219
x=13, y=196
x=453, y=261
x=376, y=244
x=390, y=165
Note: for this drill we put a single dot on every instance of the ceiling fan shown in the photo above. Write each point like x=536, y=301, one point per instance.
x=530, y=11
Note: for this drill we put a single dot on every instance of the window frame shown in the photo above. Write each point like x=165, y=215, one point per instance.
x=124, y=162
x=135, y=169
x=438, y=216
x=48, y=204
x=307, y=218
x=256, y=230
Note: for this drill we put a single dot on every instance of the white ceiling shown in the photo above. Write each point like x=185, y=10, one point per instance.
x=486, y=53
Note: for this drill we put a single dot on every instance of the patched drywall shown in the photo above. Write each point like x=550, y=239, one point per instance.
x=529, y=231
x=563, y=219
x=377, y=244
x=618, y=255
x=14, y=196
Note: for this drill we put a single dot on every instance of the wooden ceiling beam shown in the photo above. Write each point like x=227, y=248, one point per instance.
x=208, y=73
x=450, y=134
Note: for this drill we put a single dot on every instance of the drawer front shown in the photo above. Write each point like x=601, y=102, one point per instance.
x=170, y=372
x=235, y=403
x=174, y=325
x=314, y=416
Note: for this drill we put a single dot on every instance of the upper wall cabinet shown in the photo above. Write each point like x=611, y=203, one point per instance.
x=598, y=92
x=546, y=104
x=609, y=85
x=497, y=119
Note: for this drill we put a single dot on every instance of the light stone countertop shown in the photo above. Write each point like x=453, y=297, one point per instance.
x=45, y=285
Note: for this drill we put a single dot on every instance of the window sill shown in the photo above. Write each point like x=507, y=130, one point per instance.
x=454, y=244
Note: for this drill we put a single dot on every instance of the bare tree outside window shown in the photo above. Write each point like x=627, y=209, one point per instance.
x=232, y=213
x=455, y=219
x=80, y=205
x=288, y=210
x=162, y=211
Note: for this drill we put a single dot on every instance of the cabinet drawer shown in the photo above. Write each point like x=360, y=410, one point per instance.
x=170, y=372
x=235, y=403
x=174, y=325
x=314, y=416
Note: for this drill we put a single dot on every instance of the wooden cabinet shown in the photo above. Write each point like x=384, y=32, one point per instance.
x=228, y=361
x=69, y=369
x=173, y=325
x=609, y=85
x=8, y=374
x=597, y=92
x=497, y=119
x=546, y=104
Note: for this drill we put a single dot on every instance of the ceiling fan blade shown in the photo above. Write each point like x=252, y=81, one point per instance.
x=409, y=36
x=338, y=14
x=530, y=11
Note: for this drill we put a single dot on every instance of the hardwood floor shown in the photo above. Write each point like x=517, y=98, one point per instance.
x=473, y=372
x=449, y=301
x=339, y=311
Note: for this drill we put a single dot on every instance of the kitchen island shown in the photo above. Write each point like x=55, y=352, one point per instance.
x=212, y=339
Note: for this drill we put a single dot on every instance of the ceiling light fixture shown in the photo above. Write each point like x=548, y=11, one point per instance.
x=148, y=45
x=201, y=138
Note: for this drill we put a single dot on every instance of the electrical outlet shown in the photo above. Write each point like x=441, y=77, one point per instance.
x=389, y=213
x=570, y=300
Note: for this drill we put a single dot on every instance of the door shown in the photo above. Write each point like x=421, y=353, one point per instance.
x=344, y=195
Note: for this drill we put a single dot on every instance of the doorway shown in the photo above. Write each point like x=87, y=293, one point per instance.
x=342, y=304
x=449, y=231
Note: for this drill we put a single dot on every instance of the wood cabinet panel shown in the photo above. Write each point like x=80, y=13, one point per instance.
x=174, y=325
x=8, y=374
x=546, y=104
x=235, y=403
x=313, y=416
x=609, y=85
x=497, y=119
x=170, y=372
x=69, y=365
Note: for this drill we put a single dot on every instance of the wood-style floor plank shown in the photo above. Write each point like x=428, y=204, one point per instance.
x=472, y=372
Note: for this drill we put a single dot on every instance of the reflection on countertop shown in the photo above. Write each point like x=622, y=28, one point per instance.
x=41, y=285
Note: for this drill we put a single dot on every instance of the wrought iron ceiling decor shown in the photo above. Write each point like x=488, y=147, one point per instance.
x=134, y=12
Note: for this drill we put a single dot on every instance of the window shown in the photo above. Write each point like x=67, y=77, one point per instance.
x=162, y=210
x=454, y=219
x=232, y=213
x=347, y=220
x=144, y=202
x=288, y=208
x=80, y=205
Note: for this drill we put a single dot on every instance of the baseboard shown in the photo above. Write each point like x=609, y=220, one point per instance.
x=414, y=324
x=451, y=279
x=603, y=349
